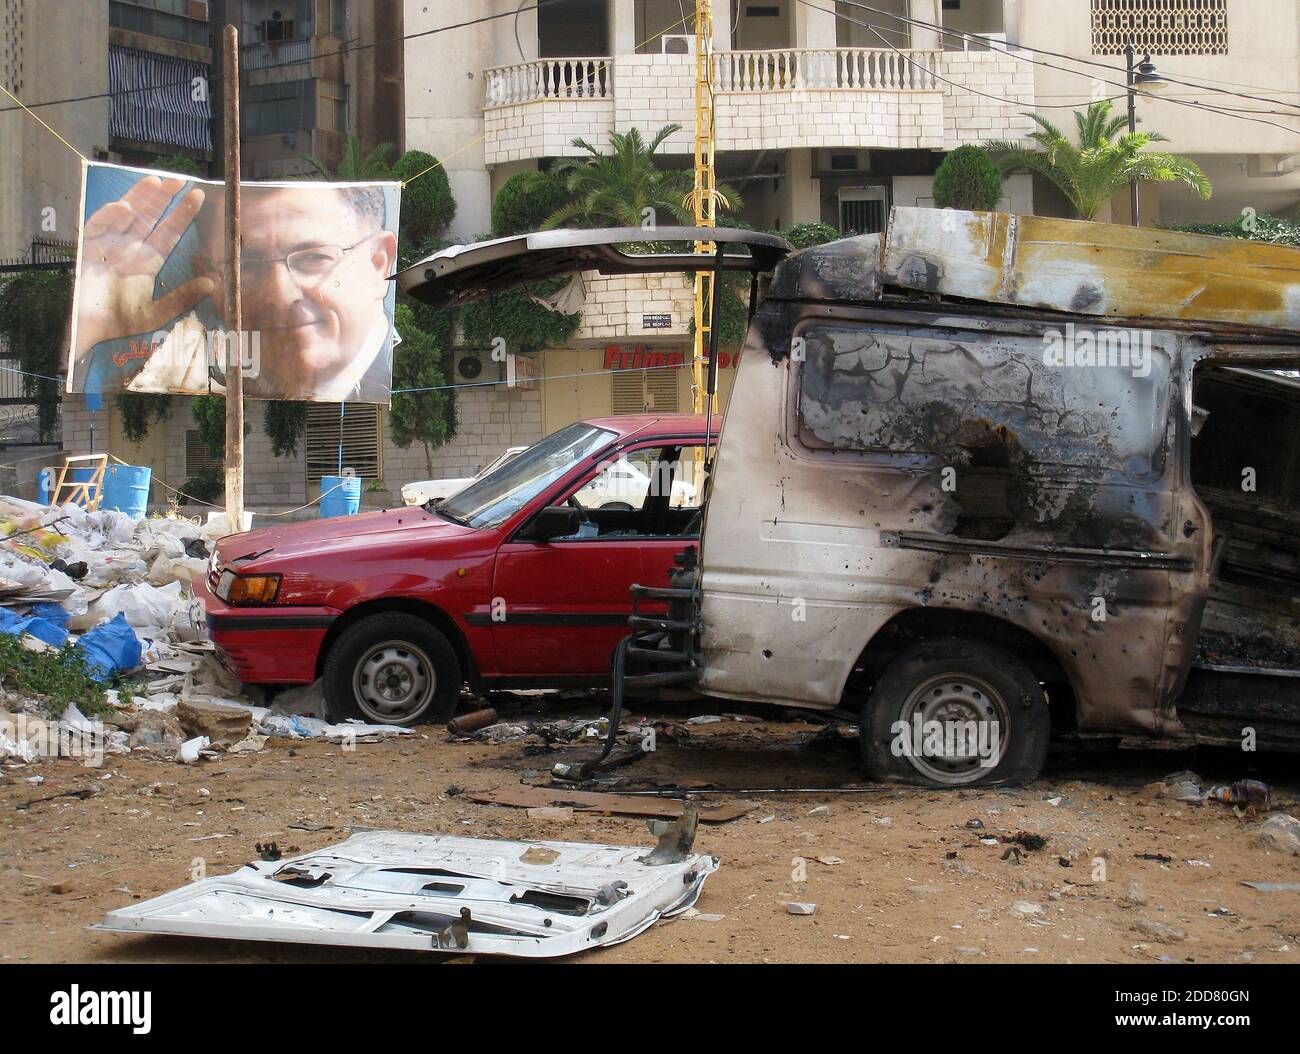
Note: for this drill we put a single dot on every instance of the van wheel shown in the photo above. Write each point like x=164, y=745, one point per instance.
x=986, y=706
x=392, y=669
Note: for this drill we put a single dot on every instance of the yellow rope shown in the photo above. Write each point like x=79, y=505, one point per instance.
x=44, y=125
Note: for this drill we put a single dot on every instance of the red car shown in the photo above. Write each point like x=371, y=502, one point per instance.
x=521, y=579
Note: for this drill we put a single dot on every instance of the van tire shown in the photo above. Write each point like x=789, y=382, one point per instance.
x=960, y=679
x=421, y=676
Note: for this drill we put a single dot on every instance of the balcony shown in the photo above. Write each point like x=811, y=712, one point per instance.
x=263, y=56
x=763, y=100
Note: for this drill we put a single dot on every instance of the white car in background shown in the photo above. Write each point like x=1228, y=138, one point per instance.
x=625, y=484
x=437, y=489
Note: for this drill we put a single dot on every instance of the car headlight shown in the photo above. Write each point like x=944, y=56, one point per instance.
x=248, y=589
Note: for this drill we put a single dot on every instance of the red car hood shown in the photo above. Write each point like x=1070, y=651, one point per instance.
x=307, y=536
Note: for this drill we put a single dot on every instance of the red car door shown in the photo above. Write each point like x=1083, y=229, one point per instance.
x=560, y=606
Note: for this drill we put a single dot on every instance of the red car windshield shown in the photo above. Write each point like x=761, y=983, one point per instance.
x=493, y=499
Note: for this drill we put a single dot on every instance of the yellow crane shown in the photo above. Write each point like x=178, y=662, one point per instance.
x=704, y=200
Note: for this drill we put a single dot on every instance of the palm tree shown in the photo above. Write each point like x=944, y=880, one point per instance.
x=356, y=165
x=1104, y=161
x=615, y=189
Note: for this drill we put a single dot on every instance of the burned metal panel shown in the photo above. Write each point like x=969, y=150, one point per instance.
x=1093, y=268
x=824, y=528
x=393, y=889
x=1016, y=429
x=848, y=269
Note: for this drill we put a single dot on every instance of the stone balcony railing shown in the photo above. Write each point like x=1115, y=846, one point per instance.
x=775, y=99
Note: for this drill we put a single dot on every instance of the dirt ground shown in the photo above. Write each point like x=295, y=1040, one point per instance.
x=896, y=873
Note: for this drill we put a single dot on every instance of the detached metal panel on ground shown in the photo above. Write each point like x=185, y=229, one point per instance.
x=391, y=889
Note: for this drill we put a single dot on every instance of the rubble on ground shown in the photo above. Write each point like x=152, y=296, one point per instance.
x=116, y=592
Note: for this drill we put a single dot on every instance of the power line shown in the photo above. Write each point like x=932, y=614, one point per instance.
x=347, y=49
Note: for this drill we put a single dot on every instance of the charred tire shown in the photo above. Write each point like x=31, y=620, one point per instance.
x=392, y=669
x=946, y=684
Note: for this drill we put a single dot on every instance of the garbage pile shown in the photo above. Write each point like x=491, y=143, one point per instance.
x=114, y=593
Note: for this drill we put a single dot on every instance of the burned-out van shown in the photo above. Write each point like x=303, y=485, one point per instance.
x=986, y=479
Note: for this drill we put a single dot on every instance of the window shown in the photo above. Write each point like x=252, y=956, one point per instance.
x=1160, y=27
x=493, y=499
x=198, y=459
x=653, y=492
x=644, y=391
x=356, y=433
x=986, y=399
x=862, y=210
x=272, y=109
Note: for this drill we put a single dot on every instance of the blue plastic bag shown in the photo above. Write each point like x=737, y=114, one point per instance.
x=110, y=648
x=41, y=628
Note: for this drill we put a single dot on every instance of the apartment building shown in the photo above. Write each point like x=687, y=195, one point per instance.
x=818, y=120
x=154, y=65
x=824, y=111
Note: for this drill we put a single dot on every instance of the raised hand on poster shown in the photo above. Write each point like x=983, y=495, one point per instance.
x=124, y=248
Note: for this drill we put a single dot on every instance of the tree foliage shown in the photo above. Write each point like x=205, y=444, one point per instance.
x=1259, y=227
x=624, y=188
x=419, y=362
x=35, y=307
x=524, y=202
x=428, y=206
x=968, y=179
x=138, y=412
x=1104, y=161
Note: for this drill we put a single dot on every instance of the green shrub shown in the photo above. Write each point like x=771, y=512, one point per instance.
x=967, y=179
x=427, y=203
x=806, y=235
x=523, y=203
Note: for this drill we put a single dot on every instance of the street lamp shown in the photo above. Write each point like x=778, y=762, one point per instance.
x=1140, y=75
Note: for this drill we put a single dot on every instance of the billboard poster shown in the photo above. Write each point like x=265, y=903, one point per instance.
x=149, y=297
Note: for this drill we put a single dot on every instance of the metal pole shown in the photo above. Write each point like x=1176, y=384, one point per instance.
x=233, y=305
x=1129, y=55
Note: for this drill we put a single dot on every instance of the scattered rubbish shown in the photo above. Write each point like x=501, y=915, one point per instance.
x=975, y=825
x=394, y=890
x=1012, y=853
x=191, y=748
x=829, y=861
x=1250, y=793
x=1198, y=863
x=798, y=907
x=472, y=722
x=820, y=810
x=1032, y=842
x=703, y=719
x=308, y=826
x=1159, y=858
x=110, y=648
x=1028, y=909
x=1221, y=913
x=220, y=723
x=269, y=851
x=1281, y=832
x=528, y=797
x=1274, y=887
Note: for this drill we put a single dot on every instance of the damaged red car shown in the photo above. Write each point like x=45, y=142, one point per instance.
x=521, y=579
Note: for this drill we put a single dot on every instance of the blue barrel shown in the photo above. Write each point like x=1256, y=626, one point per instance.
x=45, y=484
x=342, y=495
x=126, y=489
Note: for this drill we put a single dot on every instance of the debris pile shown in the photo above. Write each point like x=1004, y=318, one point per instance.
x=104, y=655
